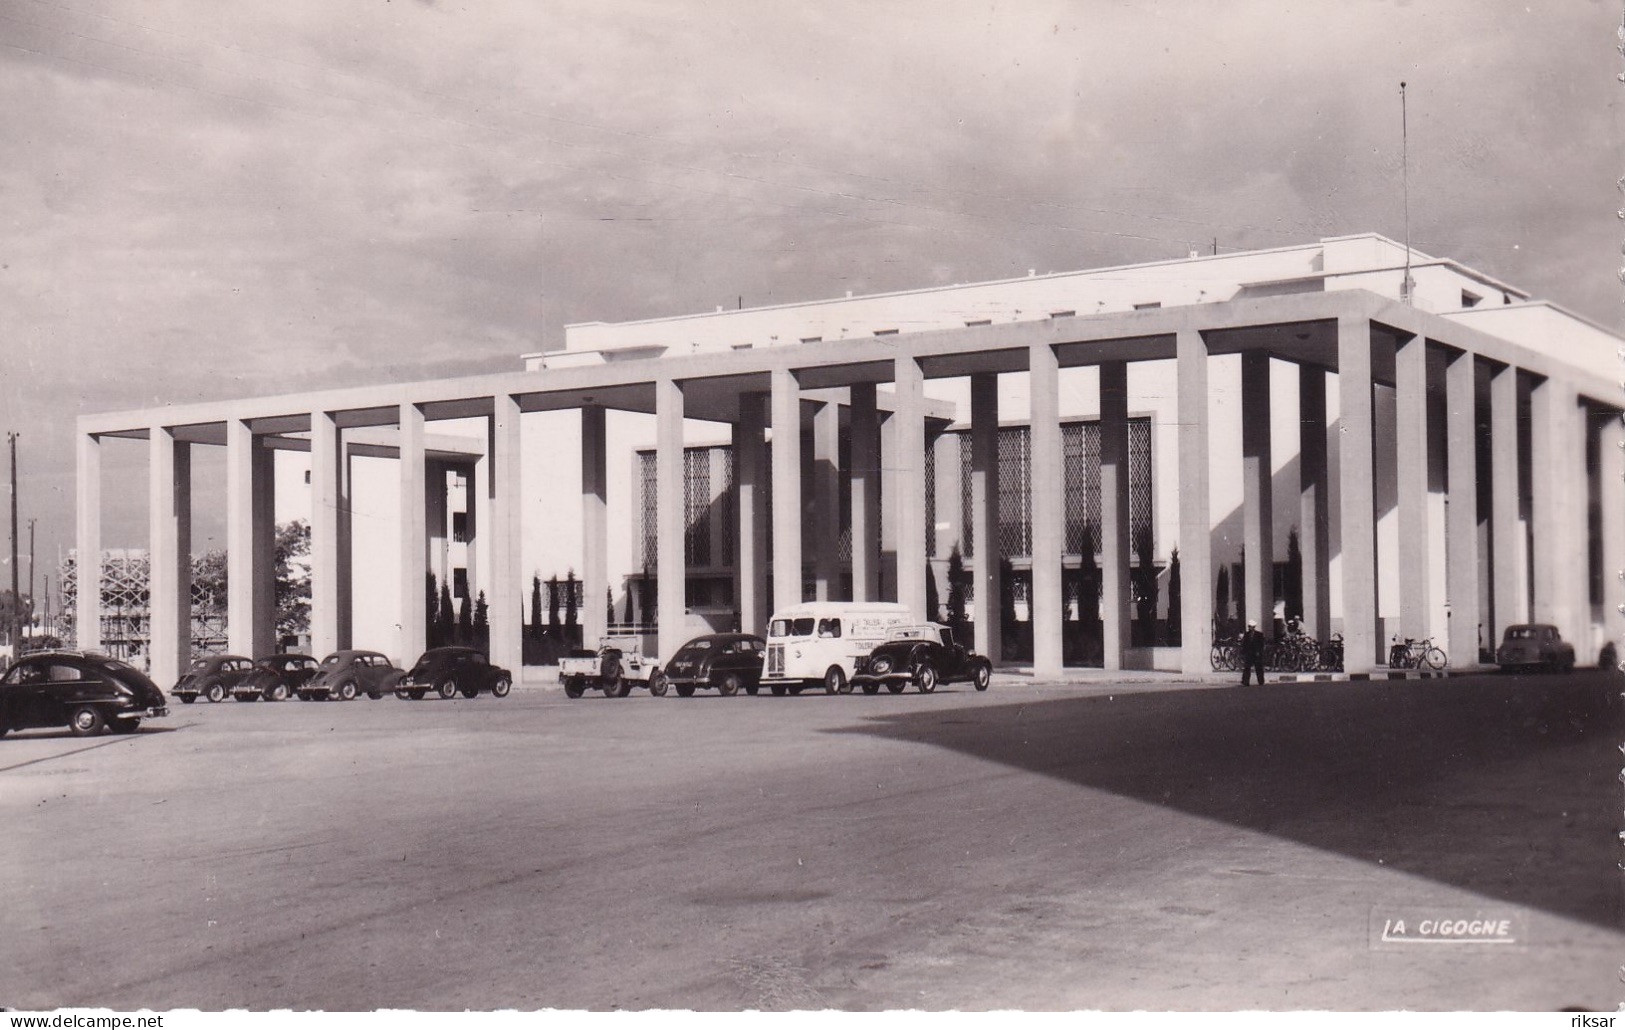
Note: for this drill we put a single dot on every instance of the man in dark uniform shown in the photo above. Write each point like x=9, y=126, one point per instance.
x=1252, y=654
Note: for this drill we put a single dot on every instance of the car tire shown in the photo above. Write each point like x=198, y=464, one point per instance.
x=925, y=678
x=376, y=695
x=501, y=687
x=778, y=689
x=753, y=688
x=85, y=721
x=418, y=694
x=895, y=686
x=835, y=681
x=573, y=687
x=612, y=680
x=216, y=693
x=982, y=676
x=447, y=690
x=346, y=692
x=871, y=687
x=187, y=699
x=729, y=685
x=123, y=727
x=685, y=690
x=657, y=683
x=469, y=692
x=277, y=693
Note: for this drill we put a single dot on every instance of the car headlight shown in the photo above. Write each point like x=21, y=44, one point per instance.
x=880, y=666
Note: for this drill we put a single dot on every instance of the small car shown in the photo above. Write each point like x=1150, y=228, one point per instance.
x=213, y=677
x=1534, y=645
x=344, y=674
x=84, y=691
x=453, y=670
x=276, y=677
x=923, y=655
x=727, y=662
x=612, y=668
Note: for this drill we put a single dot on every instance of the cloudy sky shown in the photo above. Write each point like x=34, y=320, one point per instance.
x=213, y=198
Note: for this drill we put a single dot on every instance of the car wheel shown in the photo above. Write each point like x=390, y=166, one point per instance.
x=216, y=693
x=447, y=690
x=123, y=726
x=657, y=683
x=685, y=690
x=729, y=685
x=501, y=687
x=187, y=699
x=573, y=687
x=778, y=689
x=417, y=695
x=925, y=678
x=835, y=681
x=375, y=694
x=85, y=721
x=403, y=694
x=983, y=675
x=871, y=687
x=470, y=692
x=277, y=693
x=347, y=692
x=895, y=686
x=611, y=679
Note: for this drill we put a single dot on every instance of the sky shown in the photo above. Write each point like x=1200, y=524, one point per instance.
x=213, y=198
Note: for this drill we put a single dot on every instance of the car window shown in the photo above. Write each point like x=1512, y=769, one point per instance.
x=791, y=627
x=476, y=659
x=200, y=664
x=25, y=674
x=65, y=674
x=330, y=661
x=829, y=628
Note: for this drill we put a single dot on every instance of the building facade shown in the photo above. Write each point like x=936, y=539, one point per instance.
x=1444, y=450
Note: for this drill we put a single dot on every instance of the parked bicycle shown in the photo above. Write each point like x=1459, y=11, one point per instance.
x=1416, y=654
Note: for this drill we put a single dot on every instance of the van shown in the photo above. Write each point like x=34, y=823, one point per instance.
x=821, y=641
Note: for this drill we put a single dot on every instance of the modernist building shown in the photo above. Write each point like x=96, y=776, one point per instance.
x=1447, y=449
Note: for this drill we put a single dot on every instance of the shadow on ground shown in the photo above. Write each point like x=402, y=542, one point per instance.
x=1504, y=786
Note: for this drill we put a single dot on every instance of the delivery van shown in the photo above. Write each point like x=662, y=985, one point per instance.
x=820, y=642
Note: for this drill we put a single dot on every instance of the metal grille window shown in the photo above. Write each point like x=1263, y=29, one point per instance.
x=646, y=468
x=1141, y=510
x=967, y=505
x=930, y=498
x=1080, y=457
x=730, y=511
x=697, y=507
x=1015, y=510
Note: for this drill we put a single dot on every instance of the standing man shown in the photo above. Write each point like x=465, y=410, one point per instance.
x=1252, y=654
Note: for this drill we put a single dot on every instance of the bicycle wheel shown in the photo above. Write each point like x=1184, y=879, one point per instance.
x=1434, y=658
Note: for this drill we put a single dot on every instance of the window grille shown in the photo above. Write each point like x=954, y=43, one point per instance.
x=697, y=506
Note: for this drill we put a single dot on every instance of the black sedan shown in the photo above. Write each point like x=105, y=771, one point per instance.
x=84, y=691
x=923, y=655
x=726, y=662
x=276, y=678
x=344, y=674
x=1534, y=646
x=454, y=670
x=212, y=677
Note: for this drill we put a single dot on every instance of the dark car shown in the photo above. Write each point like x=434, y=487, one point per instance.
x=276, y=678
x=453, y=670
x=727, y=662
x=344, y=674
x=1534, y=646
x=923, y=655
x=212, y=677
x=84, y=691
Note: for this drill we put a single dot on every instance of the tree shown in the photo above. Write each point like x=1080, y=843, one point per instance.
x=1175, y=614
x=1007, y=596
x=536, y=606
x=609, y=606
x=431, y=608
x=552, y=605
x=293, y=578
x=465, y=621
x=570, y=606
x=9, y=607
x=209, y=585
x=443, y=625
x=957, y=580
x=932, y=612
x=628, y=616
x=482, y=617
x=1293, y=587
x=1145, y=594
x=1221, y=596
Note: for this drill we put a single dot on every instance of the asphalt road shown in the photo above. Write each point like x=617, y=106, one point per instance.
x=1038, y=847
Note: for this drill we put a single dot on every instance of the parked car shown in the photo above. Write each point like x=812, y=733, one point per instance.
x=344, y=674
x=726, y=662
x=923, y=655
x=84, y=691
x=276, y=677
x=613, y=669
x=452, y=670
x=1534, y=645
x=212, y=677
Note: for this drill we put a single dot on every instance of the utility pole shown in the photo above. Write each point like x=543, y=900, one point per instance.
x=16, y=601
x=32, y=606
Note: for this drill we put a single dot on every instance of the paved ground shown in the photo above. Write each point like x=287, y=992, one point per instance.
x=1087, y=845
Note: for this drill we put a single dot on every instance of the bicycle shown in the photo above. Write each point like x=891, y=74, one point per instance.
x=1225, y=656
x=1415, y=654
x=1330, y=655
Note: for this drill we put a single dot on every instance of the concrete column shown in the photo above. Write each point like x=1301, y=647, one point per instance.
x=326, y=557
x=1611, y=501
x=414, y=541
x=346, y=536
x=671, y=565
x=169, y=618
x=479, y=551
x=1461, y=542
x=1411, y=457
x=908, y=502
x=506, y=600
x=865, y=436
x=1115, y=593
x=889, y=465
x=1258, y=504
x=716, y=464
x=1048, y=492
x=1314, y=539
x=1195, y=531
x=786, y=415
x=87, y=616
x=247, y=570
x=948, y=532
x=263, y=541
x=594, y=523
x=1551, y=420
x=826, y=485
x=984, y=492
x=1357, y=495
x=750, y=462
x=1507, y=540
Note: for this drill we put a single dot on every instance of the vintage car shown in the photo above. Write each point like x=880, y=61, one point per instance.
x=923, y=655
x=726, y=662
x=84, y=691
x=452, y=670
x=212, y=677
x=1534, y=646
x=344, y=674
x=612, y=668
x=276, y=678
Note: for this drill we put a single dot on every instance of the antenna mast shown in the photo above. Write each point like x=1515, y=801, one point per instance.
x=1408, y=284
